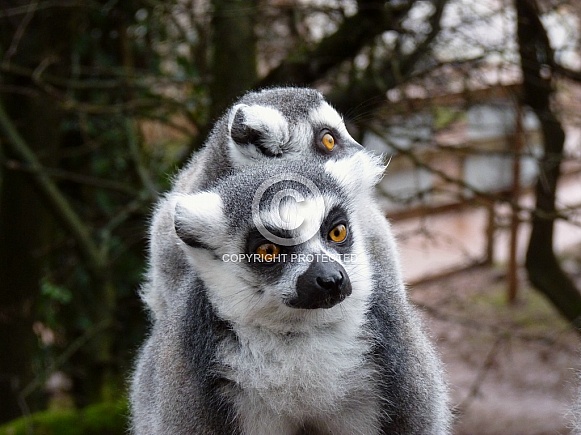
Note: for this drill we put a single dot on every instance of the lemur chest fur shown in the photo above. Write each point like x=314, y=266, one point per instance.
x=302, y=375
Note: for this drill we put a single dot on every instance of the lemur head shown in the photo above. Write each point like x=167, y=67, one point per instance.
x=285, y=122
x=281, y=244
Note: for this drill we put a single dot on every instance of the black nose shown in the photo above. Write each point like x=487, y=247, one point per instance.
x=331, y=282
x=323, y=285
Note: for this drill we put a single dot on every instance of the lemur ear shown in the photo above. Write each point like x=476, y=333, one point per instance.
x=257, y=130
x=358, y=172
x=199, y=219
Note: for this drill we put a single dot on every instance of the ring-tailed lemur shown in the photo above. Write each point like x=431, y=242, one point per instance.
x=273, y=124
x=261, y=338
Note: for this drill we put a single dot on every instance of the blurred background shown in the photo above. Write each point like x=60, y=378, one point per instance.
x=477, y=104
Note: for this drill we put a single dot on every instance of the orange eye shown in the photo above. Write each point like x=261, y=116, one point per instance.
x=268, y=251
x=328, y=141
x=338, y=234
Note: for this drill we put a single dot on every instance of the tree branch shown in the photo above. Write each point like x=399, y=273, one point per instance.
x=370, y=93
x=135, y=153
x=57, y=202
x=567, y=72
x=306, y=66
x=74, y=177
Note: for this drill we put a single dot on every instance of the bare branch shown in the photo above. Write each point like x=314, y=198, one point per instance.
x=135, y=153
x=306, y=66
x=25, y=9
x=567, y=72
x=30, y=10
x=68, y=217
x=74, y=177
x=370, y=93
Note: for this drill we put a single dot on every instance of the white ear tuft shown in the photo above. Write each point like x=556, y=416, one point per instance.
x=358, y=172
x=257, y=131
x=233, y=113
x=199, y=219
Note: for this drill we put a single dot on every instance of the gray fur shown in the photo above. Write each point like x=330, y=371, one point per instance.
x=219, y=158
x=209, y=369
x=575, y=412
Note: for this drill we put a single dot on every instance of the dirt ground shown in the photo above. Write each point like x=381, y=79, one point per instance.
x=512, y=369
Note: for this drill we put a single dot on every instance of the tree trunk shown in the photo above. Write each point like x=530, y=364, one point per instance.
x=24, y=231
x=233, y=51
x=542, y=265
x=19, y=281
x=25, y=222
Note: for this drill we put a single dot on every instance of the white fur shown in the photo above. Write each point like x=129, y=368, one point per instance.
x=301, y=140
x=304, y=378
x=301, y=217
x=360, y=173
x=236, y=298
x=289, y=367
x=295, y=365
x=264, y=119
x=267, y=119
x=232, y=114
x=234, y=292
x=292, y=365
x=325, y=115
x=357, y=173
x=201, y=214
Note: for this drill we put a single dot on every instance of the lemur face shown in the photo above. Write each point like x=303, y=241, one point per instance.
x=280, y=243
x=286, y=124
x=313, y=267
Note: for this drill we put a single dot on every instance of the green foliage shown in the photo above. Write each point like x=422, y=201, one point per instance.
x=102, y=77
x=445, y=116
x=98, y=419
x=532, y=313
x=55, y=292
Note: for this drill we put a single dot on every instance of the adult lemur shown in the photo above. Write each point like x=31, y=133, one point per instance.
x=275, y=124
x=255, y=337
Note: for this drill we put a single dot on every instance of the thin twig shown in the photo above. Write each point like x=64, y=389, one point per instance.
x=74, y=177
x=68, y=217
x=65, y=356
x=135, y=153
x=30, y=10
x=481, y=375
